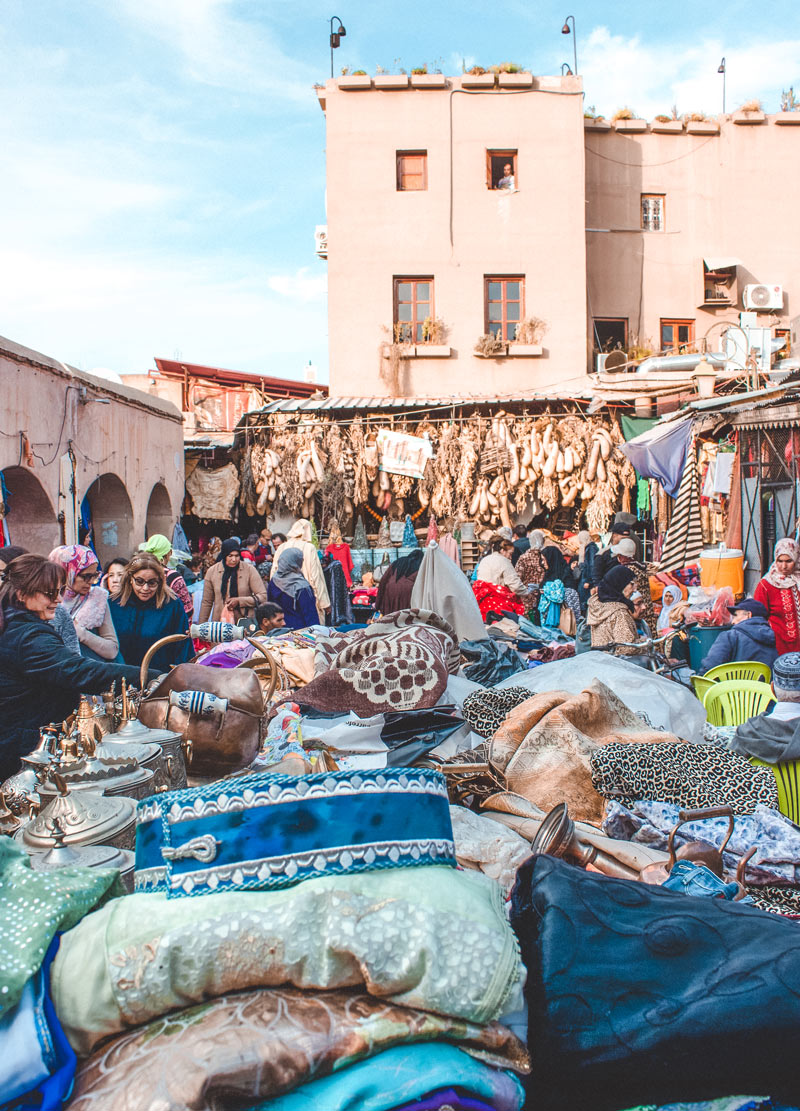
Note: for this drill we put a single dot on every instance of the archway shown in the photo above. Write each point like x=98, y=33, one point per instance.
x=112, y=517
x=32, y=522
x=159, y=512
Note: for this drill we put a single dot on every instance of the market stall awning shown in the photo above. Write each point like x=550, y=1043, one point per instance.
x=660, y=452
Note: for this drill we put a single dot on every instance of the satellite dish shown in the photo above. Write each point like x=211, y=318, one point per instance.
x=616, y=361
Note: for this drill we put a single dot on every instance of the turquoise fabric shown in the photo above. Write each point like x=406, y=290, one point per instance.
x=399, y=1076
x=34, y=906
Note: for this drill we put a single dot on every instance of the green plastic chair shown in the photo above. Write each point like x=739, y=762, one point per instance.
x=736, y=700
x=787, y=780
x=701, y=686
x=745, y=669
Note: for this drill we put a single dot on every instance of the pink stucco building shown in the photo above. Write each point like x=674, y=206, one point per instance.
x=461, y=206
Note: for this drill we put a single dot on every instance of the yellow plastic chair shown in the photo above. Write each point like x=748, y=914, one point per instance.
x=787, y=780
x=735, y=701
x=701, y=686
x=745, y=669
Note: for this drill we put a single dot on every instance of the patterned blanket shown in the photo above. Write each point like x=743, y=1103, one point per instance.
x=398, y=663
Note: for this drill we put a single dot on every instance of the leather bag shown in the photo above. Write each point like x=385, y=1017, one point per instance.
x=220, y=743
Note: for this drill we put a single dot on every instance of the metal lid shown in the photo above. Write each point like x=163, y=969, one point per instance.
x=135, y=731
x=138, y=751
x=85, y=817
x=83, y=779
x=85, y=856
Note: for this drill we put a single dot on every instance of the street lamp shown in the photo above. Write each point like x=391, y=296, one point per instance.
x=336, y=36
x=566, y=70
x=721, y=69
x=565, y=30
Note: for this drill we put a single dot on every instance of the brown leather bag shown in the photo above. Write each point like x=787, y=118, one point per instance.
x=220, y=743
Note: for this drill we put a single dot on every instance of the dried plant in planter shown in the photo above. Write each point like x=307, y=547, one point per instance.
x=530, y=330
x=434, y=330
x=490, y=344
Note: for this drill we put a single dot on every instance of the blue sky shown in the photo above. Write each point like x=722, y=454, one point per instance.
x=163, y=160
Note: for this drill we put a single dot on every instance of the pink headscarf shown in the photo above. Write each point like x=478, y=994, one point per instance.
x=74, y=558
x=774, y=577
x=86, y=610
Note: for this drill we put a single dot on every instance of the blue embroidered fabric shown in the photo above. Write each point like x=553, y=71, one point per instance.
x=269, y=831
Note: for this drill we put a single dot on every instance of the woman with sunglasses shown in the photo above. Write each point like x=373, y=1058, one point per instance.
x=40, y=679
x=86, y=603
x=145, y=610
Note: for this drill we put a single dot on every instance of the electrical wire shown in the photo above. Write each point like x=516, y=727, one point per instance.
x=649, y=165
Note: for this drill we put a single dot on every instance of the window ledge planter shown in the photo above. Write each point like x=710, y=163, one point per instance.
x=667, y=127
x=515, y=80
x=630, y=125
x=749, y=117
x=355, y=81
x=428, y=81
x=596, y=125
x=702, y=127
x=431, y=351
x=478, y=81
x=787, y=118
x=524, y=350
x=391, y=81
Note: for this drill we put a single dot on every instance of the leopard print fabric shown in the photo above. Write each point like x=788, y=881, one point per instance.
x=487, y=710
x=688, y=775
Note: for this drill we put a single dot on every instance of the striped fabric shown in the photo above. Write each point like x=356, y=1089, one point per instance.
x=684, y=540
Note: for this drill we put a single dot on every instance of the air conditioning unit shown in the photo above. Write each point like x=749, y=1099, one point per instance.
x=321, y=240
x=763, y=298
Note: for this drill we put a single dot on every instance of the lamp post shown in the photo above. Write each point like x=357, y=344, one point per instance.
x=721, y=69
x=336, y=36
x=565, y=30
x=566, y=70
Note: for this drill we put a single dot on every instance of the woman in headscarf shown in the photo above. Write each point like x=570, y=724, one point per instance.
x=610, y=613
x=233, y=584
x=300, y=538
x=557, y=589
x=86, y=603
x=396, y=584
x=160, y=547
x=531, y=566
x=290, y=590
x=587, y=550
x=669, y=600
x=779, y=591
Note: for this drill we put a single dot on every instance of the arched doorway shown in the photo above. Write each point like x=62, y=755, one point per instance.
x=32, y=522
x=112, y=517
x=159, y=512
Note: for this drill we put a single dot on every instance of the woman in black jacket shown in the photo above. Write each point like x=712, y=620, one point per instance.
x=40, y=680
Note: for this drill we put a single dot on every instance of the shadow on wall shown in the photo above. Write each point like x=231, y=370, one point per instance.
x=159, y=513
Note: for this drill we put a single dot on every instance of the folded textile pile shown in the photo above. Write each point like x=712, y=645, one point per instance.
x=641, y=995
x=401, y=662
x=295, y=942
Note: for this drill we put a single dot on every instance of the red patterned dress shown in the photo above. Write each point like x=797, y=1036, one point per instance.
x=783, y=614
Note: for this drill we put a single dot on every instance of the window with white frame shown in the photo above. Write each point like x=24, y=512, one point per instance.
x=652, y=211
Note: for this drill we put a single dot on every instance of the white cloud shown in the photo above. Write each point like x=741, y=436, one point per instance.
x=220, y=50
x=302, y=286
x=650, y=77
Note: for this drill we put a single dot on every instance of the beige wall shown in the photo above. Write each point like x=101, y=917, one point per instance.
x=376, y=233
x=128, y=453
x=727, y=194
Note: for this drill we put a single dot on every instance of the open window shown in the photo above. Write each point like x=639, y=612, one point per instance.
x=610, y=334
x=412, y=170
x=501, y=170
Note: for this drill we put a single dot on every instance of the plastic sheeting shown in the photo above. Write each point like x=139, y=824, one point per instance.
x=661, y=702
